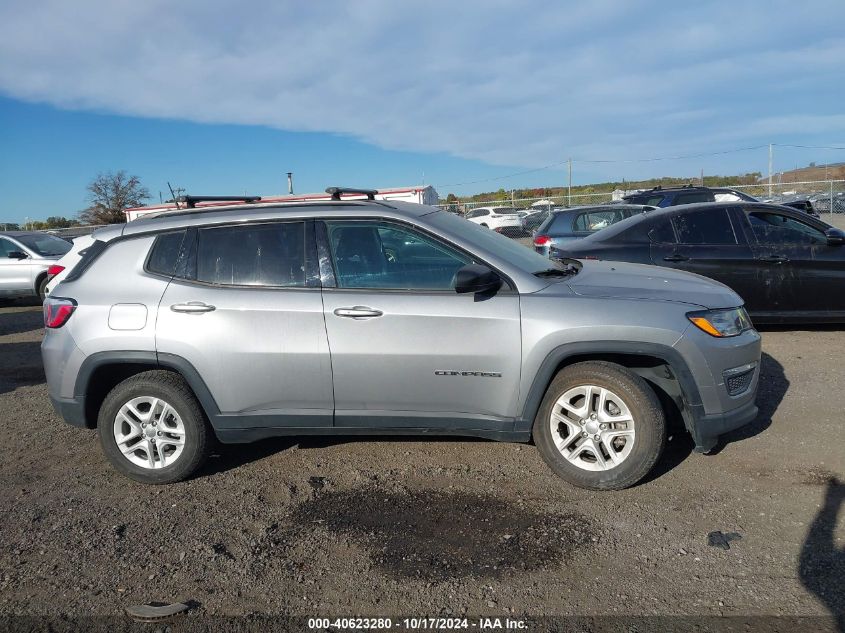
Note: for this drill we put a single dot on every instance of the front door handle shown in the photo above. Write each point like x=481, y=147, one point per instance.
x=192, y=307
x=774, y=259
x=676, y=257
x=358, y=312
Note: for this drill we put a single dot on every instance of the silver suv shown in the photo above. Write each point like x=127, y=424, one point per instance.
x=26, y=260
x=361, y=317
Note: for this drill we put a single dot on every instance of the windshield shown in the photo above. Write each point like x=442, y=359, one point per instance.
x=518, y=255
x=45, y=245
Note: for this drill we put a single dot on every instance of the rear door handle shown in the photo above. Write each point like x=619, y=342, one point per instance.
x=358, y=312
x=676, y=257
x=774, y=259
x=192, y=307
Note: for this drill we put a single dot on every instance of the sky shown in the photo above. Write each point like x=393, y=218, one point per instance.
x=223, y=97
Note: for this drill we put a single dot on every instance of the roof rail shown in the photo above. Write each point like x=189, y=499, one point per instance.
x=191, y=201
x=337, y=192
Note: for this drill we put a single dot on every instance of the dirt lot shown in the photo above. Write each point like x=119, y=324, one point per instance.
x=424, y=527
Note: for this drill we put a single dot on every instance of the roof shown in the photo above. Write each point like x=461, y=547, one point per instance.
x=219, y=214
x=305, y=197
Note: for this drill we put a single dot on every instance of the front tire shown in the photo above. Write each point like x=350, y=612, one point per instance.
x=600, y=426
x=152, y=428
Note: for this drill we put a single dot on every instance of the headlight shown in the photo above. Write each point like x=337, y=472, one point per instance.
x=721, y=323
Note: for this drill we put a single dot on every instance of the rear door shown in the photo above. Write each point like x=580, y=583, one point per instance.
x=15, y=274
x=407, y=350
x=245, y=310
x=799, y=271
x=704, y=241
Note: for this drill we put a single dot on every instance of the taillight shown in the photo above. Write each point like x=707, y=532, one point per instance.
x=57, y=311
x=54, y=270
x=541, y=240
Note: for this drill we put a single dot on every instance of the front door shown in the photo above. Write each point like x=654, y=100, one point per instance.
x=407, y=351
x=704, y=242
x=15, y=274
x=246, y=314
x=802, y=274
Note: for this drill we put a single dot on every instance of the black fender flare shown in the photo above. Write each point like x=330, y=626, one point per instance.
x=691, y=406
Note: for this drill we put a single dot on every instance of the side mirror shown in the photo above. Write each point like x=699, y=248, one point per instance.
x=17, y=255
x=475, y=278
x=835, y=237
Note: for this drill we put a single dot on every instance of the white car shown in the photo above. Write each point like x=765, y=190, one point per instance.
x=68, y=261
x=496, y=218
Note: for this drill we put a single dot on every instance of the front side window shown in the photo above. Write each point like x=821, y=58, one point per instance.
x=7, y=247
x=252, y=255
x=707, y=226
x=774, y=228
x=389, y=256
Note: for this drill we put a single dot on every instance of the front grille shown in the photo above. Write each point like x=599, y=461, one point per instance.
x=738, y=380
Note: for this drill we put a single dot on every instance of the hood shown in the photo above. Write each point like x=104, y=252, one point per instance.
x=620, y=280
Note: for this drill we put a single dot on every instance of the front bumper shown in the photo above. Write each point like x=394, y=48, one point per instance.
x=707, y=428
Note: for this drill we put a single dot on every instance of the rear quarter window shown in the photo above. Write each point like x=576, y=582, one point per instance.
x=164, y=255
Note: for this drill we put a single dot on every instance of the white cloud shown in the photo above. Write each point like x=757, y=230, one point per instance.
x=510, y=83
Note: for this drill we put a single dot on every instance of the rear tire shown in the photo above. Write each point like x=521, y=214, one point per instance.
x=42, y=288
x=153, y=430
x=600, y=426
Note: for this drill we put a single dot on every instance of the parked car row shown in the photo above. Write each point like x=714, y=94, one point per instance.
x=788, y=266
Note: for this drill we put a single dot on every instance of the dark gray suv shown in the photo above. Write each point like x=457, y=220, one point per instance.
x=353, y=317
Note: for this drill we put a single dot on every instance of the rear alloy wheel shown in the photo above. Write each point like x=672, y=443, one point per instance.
x=600, y=426
x=152, y=428
x=42, y=288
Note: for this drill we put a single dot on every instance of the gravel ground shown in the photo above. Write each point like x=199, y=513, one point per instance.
x=345, y=526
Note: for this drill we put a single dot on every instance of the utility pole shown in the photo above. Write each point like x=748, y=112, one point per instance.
x=290, y=183
x=569, y=188
x=702, y=176
x=770, y=170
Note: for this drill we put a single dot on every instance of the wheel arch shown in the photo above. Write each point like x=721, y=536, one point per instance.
x=661, y=366
x=102, y=371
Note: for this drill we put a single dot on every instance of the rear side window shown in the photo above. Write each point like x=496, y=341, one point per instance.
x=596, y=220
x=253, y=255
x=692, y=198
x=708, y=226
x=662, y=232
x=561, y=223
x=164, y=254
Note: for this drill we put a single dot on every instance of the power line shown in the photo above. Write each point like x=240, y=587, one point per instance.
x=594, y=161
x=809, y=146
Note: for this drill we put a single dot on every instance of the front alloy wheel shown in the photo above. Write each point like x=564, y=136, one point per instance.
x=592, y=428
x=600, y=426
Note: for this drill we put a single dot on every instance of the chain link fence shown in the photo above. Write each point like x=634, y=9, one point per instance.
x=519, y=217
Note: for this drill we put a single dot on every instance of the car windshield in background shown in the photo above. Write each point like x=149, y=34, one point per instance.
x=505, y=211
x=488, y=240
x=45, y=245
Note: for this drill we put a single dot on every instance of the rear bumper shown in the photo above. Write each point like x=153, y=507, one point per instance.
x=707, y=428
x=72, y=410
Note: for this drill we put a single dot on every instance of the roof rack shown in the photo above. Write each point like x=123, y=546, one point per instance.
x=337, y=192
x=191, y=201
